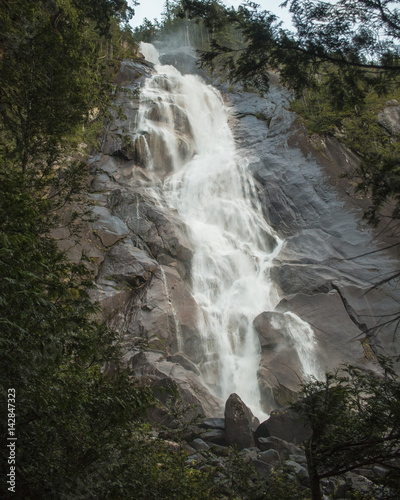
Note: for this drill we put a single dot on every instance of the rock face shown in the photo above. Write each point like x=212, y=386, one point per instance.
x=325, y=267
x=280, y=368
x=141, y=255
x=240, y=423
x=389, y=117
x=285, y=424
x=183, y=58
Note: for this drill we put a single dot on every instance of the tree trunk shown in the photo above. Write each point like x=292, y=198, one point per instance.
x=313, y=474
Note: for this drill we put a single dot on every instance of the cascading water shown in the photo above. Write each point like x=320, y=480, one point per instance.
x=184, y=137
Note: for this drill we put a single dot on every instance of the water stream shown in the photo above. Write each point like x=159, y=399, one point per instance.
x=186, y=141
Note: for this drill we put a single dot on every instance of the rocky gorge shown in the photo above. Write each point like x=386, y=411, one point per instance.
x=314, y=248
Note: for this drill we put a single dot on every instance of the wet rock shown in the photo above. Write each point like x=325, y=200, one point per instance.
x=152, y=367
x=286, y=424
x=280, y=372
x=127, y=264
x=240, y=423
x=164, y=313
x=183, y=59
x=162, y=232
x=183, y=361
x=334, y=323
x=112, y=297
x=187, y=314
x=132, y=72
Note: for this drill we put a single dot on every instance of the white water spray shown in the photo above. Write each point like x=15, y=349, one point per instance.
x=184, y=124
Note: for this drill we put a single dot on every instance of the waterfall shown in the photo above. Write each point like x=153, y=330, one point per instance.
x=184, y=124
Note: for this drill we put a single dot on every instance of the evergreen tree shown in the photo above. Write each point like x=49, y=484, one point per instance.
x=354, y=418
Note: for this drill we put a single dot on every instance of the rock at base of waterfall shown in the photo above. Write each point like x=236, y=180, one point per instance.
x=285, y=449
x=269, y=457
x=287, y=425
x=279, y=373
x=240, y=423
x=152, y=368
x=335, y=323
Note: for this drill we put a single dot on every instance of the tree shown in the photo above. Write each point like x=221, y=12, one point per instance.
x=354, y=418
x=69, y=419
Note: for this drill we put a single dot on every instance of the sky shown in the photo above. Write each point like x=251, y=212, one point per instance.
x=153, y=8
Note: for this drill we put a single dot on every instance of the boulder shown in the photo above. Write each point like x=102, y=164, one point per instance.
x=299, y=471
x=280, y=370
x=338, y=338
x=200, y=445
x=152, y=368
x=240, y=423
x=107, y=227
x=214, y=436
x=213, y=423
x=284, y=448
x=127, y=264
x=262, y=468
x=269, y=457
x=389, y=117
x=287, y=425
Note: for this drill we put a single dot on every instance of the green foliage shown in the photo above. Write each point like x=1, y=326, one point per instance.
x=334, y=110
x=52, y=73
x=244, y=482
x=354, y=418
x=70, y=419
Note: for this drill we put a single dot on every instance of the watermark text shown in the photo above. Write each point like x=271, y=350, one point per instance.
x=11, y=441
